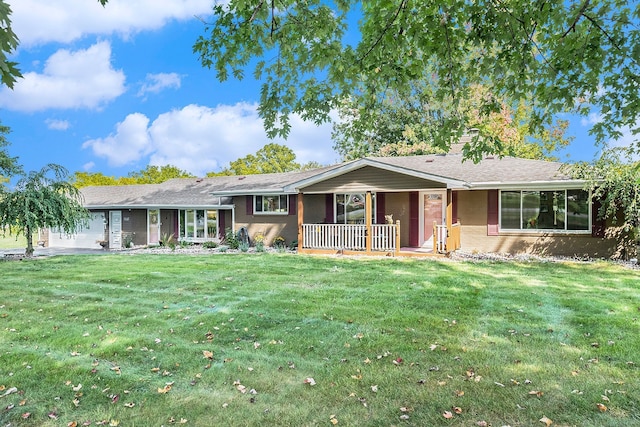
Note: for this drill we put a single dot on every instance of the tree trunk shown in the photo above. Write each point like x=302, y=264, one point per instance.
x=29, y=251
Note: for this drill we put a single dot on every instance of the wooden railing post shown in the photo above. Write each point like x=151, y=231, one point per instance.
x=435, y=237
x=397, y=252
x=300, y=221
x=367, y=221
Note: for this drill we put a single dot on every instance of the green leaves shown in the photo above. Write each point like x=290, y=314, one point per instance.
x=8, y=43
x=42, y=199
x=563, y=56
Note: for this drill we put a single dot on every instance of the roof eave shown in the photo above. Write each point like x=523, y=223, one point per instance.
x=357, y=164
x=523, y=185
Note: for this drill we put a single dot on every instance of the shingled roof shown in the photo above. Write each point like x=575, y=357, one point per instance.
x=491, y=169
x=491, y=172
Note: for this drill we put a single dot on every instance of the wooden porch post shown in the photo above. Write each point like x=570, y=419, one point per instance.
x=435, y=237
x=300, y=221
x=449, y=221
x=367, y=221
x=397, y=238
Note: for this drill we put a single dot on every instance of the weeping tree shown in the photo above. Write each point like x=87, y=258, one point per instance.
x=614, y=180
x=42, y=199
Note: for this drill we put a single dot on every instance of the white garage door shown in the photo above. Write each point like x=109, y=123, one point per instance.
x=84, y=238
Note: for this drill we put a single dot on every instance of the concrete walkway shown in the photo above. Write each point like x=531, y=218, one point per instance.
x=39, y=251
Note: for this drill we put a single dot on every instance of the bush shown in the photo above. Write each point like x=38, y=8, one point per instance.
x=127, y=241
x=168, y=240
x=279, y=242
x=244, y=247
x=210, y=245
x=231, y=239
x=259, y=246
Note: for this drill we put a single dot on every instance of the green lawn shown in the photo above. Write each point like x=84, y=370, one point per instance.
x=291, y=340
x=11, y=242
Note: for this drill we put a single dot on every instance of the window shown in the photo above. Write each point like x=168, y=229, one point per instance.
x=197, y=224
x=544, y=210
x=350, y=208
x=272, y=204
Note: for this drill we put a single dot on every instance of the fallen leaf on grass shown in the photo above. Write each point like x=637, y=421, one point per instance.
x=546, y=421
x=333, y=420
x=309, y=381
x=536, y=393
x=207, y=354
x=447, y=414
x=482, y=424
x=72, y=424
x=165, y=389
x=9, y=391
x=26, y=415
x=601, y=407
x=457, y=410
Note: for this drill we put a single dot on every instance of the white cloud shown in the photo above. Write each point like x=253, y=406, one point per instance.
x=54, y=124
x=591, y=119
x=154, y=83
x=130, y=142
x=88, y=166
x=201, y=139
x=70, y=79
x=44, y=21
x=627, y=139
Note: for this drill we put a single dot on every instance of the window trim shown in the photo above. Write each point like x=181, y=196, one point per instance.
x=183, y=214
x=374, y=205
x=262, y=196
x=545, y=231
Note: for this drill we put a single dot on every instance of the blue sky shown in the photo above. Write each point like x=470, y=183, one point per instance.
x=115, y=89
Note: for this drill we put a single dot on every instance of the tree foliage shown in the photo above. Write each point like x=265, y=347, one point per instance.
x=158, y=174
x=9, y=71
x=8, y=165
x=149, y=175
x=577, y=55
x=272, y=158
x=42, y=199
x=405, y=126
x=614, y=180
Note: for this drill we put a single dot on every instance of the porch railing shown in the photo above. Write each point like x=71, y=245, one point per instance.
x=384, y=237
x=446, y=241
x=349, y=237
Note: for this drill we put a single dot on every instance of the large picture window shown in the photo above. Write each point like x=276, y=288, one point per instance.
x=544, y=210
x=272, y=204
x=198, y=224
x=350, y=208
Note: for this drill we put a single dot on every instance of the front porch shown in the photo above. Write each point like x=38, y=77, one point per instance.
x=374, y=239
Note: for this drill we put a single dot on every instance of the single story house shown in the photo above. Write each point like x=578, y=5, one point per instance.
x=393, y=205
